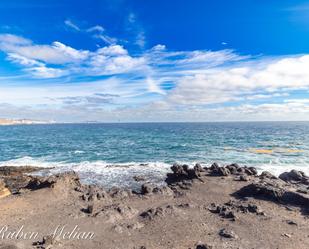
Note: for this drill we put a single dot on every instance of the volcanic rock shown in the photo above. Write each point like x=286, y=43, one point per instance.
x=226, y=233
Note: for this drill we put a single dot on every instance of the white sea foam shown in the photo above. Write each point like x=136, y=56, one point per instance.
x=100, y=172
x=30, y=161
x=98, y=167
x=79, y=152
x=112, y=174
x=277, y=169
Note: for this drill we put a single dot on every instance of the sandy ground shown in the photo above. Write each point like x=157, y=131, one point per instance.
x=180, y=217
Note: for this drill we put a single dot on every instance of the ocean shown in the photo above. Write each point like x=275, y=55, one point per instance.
x=111, y=154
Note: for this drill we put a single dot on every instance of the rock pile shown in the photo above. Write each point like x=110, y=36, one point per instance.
x=232, y=169
x=229, y=209
x=183, y=172
x=147, y=189
x=295, y=177
x=275, y=190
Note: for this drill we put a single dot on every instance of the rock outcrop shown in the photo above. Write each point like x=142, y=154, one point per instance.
x=227, y=233
x=183, y=172
x=4, y=191
x=277, y=191
x=16, y=178
x=147, y=189
x=230, y=209
x=295, y=176
x=62, y=181
x=231, y=169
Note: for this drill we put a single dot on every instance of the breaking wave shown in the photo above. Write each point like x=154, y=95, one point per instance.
x=121, y=174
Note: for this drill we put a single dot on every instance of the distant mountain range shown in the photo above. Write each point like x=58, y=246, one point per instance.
x=4, y=121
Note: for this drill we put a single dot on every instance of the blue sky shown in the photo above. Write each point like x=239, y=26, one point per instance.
x=129, y=61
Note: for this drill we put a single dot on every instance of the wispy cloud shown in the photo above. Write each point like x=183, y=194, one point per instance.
x=96, y=28
x=59, y=59
x=97, y=32
x=134, y=27
x=157, y=83
x=71, y=25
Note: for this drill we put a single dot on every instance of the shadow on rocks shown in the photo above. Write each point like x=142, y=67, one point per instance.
x=275, y=190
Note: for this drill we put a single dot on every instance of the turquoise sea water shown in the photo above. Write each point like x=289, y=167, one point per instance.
x=110, y=154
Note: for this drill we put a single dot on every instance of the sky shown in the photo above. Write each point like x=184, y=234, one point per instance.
x=154, y=61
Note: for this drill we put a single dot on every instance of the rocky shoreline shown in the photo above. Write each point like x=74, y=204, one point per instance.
x=201, y=207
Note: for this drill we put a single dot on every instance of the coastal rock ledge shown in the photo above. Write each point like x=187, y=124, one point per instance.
x=229, y=206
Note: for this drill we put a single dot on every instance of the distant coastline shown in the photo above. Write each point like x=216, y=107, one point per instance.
x=4, y=122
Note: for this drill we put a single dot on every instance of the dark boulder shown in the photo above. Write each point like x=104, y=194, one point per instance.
x=216, y=170
x=62, y=180
x=232, y=168
x=267, y=175
x=265, y=190
x=250, y=170
x=295, y=176
x=214, y=166
x=198, y=167
x=17, y=178
x=16, y=171
x=181, y=173
x=229, y=209
x=46, y=242
x=241, y=170
x=222, y=171
x=203, y=246
x=243, y=178
x=275, y=191
x=157, y=212
x=253, y=170
x=90, y=209
x=235, y=165
x=226, y=233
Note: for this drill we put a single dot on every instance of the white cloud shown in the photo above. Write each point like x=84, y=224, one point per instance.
x=57, y=53
x=141, y=39
x=223, y=84
x=13, y=39
x=98, y=32
x=159, y=112
x=44, y=72
x=266, y=96
x=96, y=28
x=209, y=58
x=71, y=53
x=71, y=25
x=113, y=59
x=153, y=86
x=105, y=38
x=134, y=27
x=40, y=59
x=159, y=47
x=297, y=101
x=162, y=84
x=24, y=61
